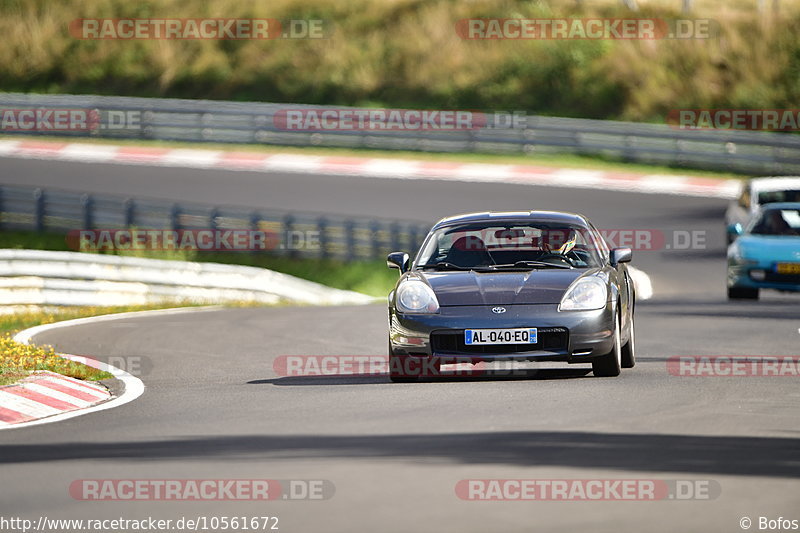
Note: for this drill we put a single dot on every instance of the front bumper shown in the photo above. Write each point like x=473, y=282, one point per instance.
x=761, y=276
x=571, y=336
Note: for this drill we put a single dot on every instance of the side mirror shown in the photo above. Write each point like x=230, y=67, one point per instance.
x=620, y=255
x=398, y=260
x=734, y=230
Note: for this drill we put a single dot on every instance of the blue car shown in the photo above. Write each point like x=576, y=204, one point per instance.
x=766, y=253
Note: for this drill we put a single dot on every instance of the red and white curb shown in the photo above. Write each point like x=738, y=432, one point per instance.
x=133, y=386
x=44, y=394
x=368, y=167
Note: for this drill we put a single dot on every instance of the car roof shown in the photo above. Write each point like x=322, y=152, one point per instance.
x=514, y=216
x=774, y=183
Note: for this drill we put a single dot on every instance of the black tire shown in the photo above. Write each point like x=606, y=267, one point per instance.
x=629, y=350
x=410, y=369
x=609, y=365
x=742, y=293
x=396, y=374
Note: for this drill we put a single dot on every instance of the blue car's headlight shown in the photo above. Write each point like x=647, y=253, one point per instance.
x=415, y=296
x=585, y=294
x=742, y=256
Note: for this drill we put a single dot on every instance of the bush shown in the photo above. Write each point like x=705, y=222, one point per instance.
x=405, y=53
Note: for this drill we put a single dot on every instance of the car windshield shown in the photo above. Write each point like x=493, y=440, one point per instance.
x=515, y=246
x=777, y=222
x=773, y=197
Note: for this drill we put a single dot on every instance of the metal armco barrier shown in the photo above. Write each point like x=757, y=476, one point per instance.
x=291, y=234
x=250, y=122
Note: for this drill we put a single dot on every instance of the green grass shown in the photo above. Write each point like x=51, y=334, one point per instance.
x=536, y=159
x=33, y=316
x=18, y=360
x=8, y=377
x=368, y=277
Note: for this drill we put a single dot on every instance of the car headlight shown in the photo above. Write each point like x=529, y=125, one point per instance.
x=585, y=294
x=415, y=296
x=741, y=256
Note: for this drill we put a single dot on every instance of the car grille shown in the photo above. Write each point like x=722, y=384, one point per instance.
x=550, y=339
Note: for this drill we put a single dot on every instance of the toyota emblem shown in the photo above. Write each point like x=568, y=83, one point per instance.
x=498, y=310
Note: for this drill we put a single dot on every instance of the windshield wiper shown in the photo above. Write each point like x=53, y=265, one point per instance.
x=528, y=265
x=444, y=265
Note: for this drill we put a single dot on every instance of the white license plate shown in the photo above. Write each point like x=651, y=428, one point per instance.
x=474, y=337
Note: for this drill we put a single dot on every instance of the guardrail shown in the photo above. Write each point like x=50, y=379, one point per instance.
x=37, y=277
x=250, y=122
x=291, y=234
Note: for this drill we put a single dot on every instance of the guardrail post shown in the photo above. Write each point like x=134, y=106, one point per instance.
x=322, y=227
x=374, y=229
x=413, y=236
x=255, y=225
x=394, y=236
x=350, y=240
x=87, y=207
x=128, y=212
x=145, y=129
x=38, y=210
x=288, y=228
x=175, y=217
x=629, y=151
x=472, y=142
x=212, y=218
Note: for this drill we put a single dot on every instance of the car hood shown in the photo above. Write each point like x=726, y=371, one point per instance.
x=501, y=288
x=769, y=248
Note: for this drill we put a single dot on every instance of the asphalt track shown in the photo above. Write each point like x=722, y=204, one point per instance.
x=214, y=407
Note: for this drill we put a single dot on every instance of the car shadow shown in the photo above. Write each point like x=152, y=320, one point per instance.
x=382, y=378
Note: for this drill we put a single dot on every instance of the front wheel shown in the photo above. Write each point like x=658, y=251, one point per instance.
x=742, y=293
x=396, y=374
x=609, y=365
x=410, y=369
x=629, y=350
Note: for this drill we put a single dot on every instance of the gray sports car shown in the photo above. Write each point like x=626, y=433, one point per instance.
x=535, y=286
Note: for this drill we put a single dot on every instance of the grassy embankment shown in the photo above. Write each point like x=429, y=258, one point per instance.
x=406, y=53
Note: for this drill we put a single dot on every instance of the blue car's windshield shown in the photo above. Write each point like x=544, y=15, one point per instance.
x=510, y=246
x=774, y=197
x=777, y=222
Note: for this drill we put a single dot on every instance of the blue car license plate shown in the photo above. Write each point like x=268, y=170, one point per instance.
x=474, y=337
x=787, y=268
